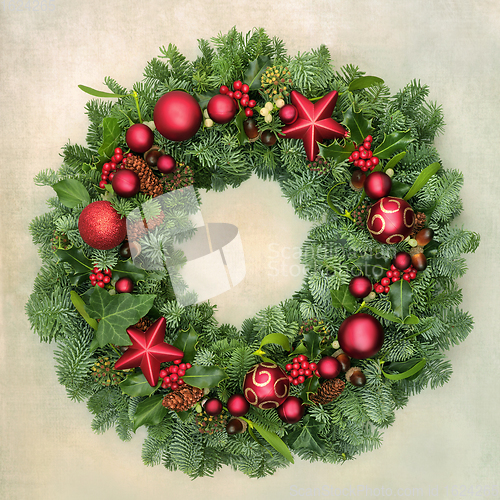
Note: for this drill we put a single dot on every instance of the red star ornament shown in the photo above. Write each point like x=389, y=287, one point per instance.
x=314, y=123
x=148, y=351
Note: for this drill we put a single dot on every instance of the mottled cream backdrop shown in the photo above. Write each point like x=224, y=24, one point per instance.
x=445, y=437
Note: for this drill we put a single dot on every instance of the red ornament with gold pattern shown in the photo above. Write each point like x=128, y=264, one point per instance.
x=390, y=220
x=266, y=386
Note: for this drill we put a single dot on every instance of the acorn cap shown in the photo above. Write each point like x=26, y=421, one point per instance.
x=355, y=376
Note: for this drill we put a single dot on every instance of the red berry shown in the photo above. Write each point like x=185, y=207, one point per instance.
x=106, y=166
x=356, y=163
x=355, y=155
x=113, y=165
x=223, y=89
x=107, y=271
x=413, y=275
x=301, y=379
x=252, y=103
x=351, y=159
x=296, y=366
x=295, y=381
x=316, y=372
x=230, y=93
x=290, y=378
x=174, y=377
x=182, y=366
x=313, y=366
x=406, y=277
x=237, y=85
x=101, y=284
x=364, y=168
x=379, y=289
x=181, y=373
x=163, y=373
x=93, y=282
x=294, y=373
x=387, y=289
x=111, y=175
x=301, y=371
x=180, y=382
x=163, y=385
x=389, y=274
x=304, y=365
x=307, y=373
x=106, y=279
x=244, y=101
x=175, y=386
x=104, y=177
x=395, y=278
x=361, y=163
x=248, y=112
x=99, y=276
x=295, y=360
x=118, y=151
x=364, y=154
x=396, y=274
x=128, y=155
x=188, y=365
x=118, y=158
x=96, y=270
x=92, y=277
x=368, y=164
x=173, y=369
x=166, y=379
x=361, y=149
x=370, y=154
x=374, y=160
x=385, y=281
x=408, y=270
x=237, y=94
x=288, y=367
x=367, y=145
x=245, y=88
x=301, y=358
x=178, y=361
x=368, y=138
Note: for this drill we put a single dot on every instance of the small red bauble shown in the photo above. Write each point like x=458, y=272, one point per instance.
x=390, y=220
x=292, y=410
x=177, y=116
x=101, y=227
x=288, y=114
x=360, y=286
x=238, y=405
x=377, y=185
x=361, y=336
x=266, y=386
x=166, y=164
x=329, y=367
x=402, y=260
x=124, y=285
x=221, y=108
x=139, y=138
x=126, y=183
x=213, y=406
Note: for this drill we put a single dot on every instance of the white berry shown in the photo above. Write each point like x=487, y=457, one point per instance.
x=264, y=111
x=335, y=344
x=209, y=123
x=389, y=172
x=280, y=103
x=269, y=106
x=205, y=113
x=412, y=242
x=268, y=118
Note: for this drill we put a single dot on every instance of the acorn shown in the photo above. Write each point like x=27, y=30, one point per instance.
x=125, y=251
x=355, y=376
x=236, y=426
x=250, y=128
x=151, y=156
x=419, y=261
x=268, y=138
x=343, y=359
x=358, y=179
x=424, y=236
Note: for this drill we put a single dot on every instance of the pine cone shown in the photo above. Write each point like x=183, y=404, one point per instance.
x=419, y=223
x=150, y=184
x=328, y=391
x=143, y=324
x=183, y=398
x=138, y=229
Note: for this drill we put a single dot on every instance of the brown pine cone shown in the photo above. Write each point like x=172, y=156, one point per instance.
x=182, y=399
x=419, y=223
x=150, y=184
x=143, y=324
x=138, y=229
x=328, y=391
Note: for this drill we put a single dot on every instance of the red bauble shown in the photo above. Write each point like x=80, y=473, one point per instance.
x=139, y=138
x=124, y=285
x=177, y=116
x=266, y=386
x=288, y=114
x=213, y=406
x=360, y=286
x=101, y=227
x=222, y=108
x=402, y=260
x=292, y=410
x=329, y=367
x=238, y=405
x=126, y=183
x=390, y=220
x=361, y=336
x=166, y=164
x=377, y=185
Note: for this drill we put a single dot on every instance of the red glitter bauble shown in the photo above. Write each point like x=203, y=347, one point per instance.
x=377, y=185
x=292, y=410
x=177, y=116
x=266, y=386
x=402, y=260
x=126, y=183
x=124, y=285
x=213, y=406
x=390, y=220
x=361, y=336
x=166, y=164
x=222, y=108
x=101, y=227
x=329, y=367
x=288, y=114
x=360, y=286
x=238, y=405
x=139, y=138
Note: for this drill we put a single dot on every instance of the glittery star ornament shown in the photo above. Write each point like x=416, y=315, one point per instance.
x=148, y=351
x=314, y=123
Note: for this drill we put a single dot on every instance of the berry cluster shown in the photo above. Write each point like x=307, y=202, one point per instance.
x=363, y=156
x=319, y=165
x=393, y=275
x=276, y=81
x=100, y=277
x=181, y=177
x=172, y=376
x=208, y=424
x=301, y=369
x=109, y=168
x=59, y=241
x=319, y=327
x=240, y=93
x=104, y=373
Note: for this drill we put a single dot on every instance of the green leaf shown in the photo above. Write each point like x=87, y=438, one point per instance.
x=392, y=143
x=71, y=192
x=77, y=279
x=431, y=249
x=183, y=415
x=399, y=189
x=186, y=341
x=410, y=368
x=422, y=179
x=343, y=298
x=336, y=152
x=400, y=296
x=116, y=314
x=98, y=93
x=255, y=70
x=274, y=440
x=136, y=385
x=149, y=412
x=204, y=377
x=373, y=267
x=394, y=160
x=80, y=307
x=386, y=315
x=300, y=349
x=126, y=269
x=411, y=320
x=203, y=99
x=276, y=338
x=310, y=387
x=76, y=259
x=111, y=134
x=358, y=125
x=307, y=437
x=364, y=82
x=240, y=118
x=312, y=341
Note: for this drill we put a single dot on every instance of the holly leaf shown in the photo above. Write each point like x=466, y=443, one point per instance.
x=422, y=179
x=392, y=143
x=310, y=387
x=186, y=341
x=99, y=93
x=204, y=377
x=336, y=152
x=312, y=341
x=79, y=304
x=136, y=385
x=71, y=193
x=203, y=99
x=240, y=118
x=343, y=298
x=404, y=369
x=307, y=436
x=373, y=267
x=364, y=82
x=300, y=349
x=116, y=314
x=358, y=125
x=400, y=296
x=127, y=269
x=77, y=279
x=149, y=412
x=76, y=259
x=255, y=70
x=110, y=135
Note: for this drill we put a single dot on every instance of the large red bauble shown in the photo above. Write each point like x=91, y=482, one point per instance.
x=361, y=336
x=177, y=116
x=266, y=386
x=377, y=185
x=126, y=183
x=124, y=285
x=402, y=260
x=390, y=220
x=292, y=410
x=238, y=405
x=288, y=114
x=360, y=286
x=329, y=367
x=139, y=138
x=101, y=227
x=213, y=406
x=222, y=108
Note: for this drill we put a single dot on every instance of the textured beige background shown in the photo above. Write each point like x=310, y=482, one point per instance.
x=444, y=437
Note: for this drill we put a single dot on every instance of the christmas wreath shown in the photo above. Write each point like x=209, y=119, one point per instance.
x=319, y=374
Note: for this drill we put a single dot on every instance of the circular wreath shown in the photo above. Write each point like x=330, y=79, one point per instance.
x=319, y=374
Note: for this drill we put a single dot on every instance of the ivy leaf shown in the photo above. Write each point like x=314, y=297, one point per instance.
x=406, y=369
x=116, y=314
x=310, y=387
x=79, y=304
x=99, y=93
x=422, y=179
x=392, y=143
x=400, y=296
x=204, y=377
x=336, y=152
x=255, y=70
x=136, y=385
x=364, y=82
x=307, y=436
x=312, y=341
x=399, y=189
x=240, y=118
x=273, y=439
x=76, y=259
x=71, y=192
x=110, y=136
x=149, y=412
x=343, y=298
x=373, y=267
x=358, y=125
x=126, y=269
x=203, y=99
x=186, y=341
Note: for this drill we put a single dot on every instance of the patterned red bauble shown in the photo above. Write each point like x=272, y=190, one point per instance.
x=166, y=164
x=266, y=386
x=377, y=185
x=238, y=405
x=177, y=116
x=222, y=108
x=402, y=260
x=101, y=227
x=124, y=285
x=139, y=138
x=329, y=367
x=361, y=336
x=288, y=114
x=126, y=183
x=213, y=406
x=292, y=410
x=390, y=220
x=360, y=287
